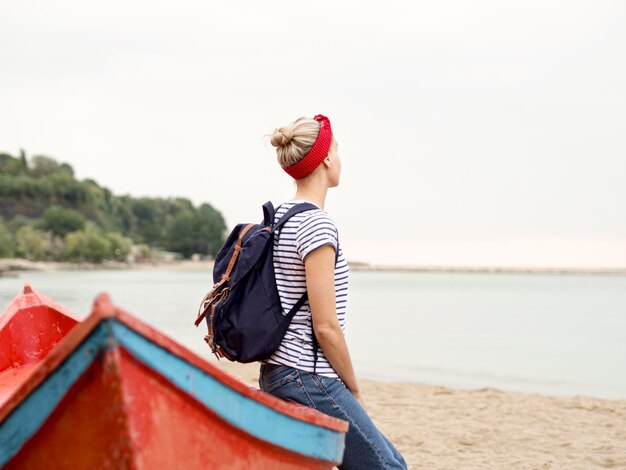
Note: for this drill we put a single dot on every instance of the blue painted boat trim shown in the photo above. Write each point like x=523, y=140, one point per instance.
x=25, y=420
x=240, y=411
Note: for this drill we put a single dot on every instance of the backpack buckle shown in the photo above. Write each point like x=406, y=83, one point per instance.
x=208, y=299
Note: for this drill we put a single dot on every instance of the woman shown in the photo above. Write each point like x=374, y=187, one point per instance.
x=305, y=260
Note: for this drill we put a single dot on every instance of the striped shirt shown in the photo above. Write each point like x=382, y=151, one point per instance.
x=301, y=235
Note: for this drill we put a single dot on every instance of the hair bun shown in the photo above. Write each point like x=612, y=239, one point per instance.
x=281, y=137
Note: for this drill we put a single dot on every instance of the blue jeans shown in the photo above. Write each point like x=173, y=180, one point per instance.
x=366, y=447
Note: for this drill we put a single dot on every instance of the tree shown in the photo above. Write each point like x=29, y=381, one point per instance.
x=120, y=246
x=48, y=193
x=149, y=219
x=31, y=243
x=66, y=168
x=23, y=160
x=88, y=244
x=56, y=247
x=41, y=165
x=182, y=234
x=122, y=212
x=61, y=221
x=212, y=227
x=10, y=165
x=198, y=232
x=18, y=222
x=6, y=241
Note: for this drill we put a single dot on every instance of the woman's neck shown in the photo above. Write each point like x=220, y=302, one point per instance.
x=313, y=191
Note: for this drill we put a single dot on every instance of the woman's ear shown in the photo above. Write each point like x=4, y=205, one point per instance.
x=327, y=161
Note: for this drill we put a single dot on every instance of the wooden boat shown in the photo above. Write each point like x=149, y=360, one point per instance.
x=116, y=393
x=30, y=327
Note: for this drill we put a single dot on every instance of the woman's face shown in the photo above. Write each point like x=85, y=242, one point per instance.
x=335, y=165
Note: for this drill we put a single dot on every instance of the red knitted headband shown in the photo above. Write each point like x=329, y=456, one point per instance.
x=317, y=154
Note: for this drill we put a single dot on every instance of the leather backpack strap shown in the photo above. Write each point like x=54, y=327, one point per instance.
x=235, y=255
x=206, y=301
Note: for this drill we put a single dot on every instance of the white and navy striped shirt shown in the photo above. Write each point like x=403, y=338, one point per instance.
x=302, y=234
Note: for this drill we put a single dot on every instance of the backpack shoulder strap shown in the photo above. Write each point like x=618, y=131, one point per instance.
x=300, y=207
x=268, y=214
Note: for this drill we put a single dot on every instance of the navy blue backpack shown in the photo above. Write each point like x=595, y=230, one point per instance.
x=243, y=311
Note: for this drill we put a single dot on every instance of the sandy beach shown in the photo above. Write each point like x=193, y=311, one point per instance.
x=448, y=428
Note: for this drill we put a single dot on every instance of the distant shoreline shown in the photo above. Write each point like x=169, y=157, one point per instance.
x=488, y=269
x=12, y=265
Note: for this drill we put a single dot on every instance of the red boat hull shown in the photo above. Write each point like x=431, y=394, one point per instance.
x=31, y=326
x=115, y=393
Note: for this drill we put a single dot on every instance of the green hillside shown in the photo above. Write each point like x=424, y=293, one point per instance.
x=48, y=214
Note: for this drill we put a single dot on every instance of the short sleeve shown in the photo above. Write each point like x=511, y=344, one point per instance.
x=314, y=232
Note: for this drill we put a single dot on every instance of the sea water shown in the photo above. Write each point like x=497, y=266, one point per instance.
x=551, y=334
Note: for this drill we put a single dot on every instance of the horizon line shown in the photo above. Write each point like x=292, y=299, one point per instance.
x=367, y=266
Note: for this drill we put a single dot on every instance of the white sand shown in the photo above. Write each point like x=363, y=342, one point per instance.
x=445, y=428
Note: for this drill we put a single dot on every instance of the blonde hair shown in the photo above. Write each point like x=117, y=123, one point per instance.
x=294, y=140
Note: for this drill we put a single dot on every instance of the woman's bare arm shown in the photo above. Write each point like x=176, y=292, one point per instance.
x=320, y=283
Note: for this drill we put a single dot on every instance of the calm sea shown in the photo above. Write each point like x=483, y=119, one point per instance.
x=552, y=334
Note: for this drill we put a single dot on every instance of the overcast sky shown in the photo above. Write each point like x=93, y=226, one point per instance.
x=471, y=132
